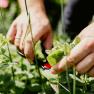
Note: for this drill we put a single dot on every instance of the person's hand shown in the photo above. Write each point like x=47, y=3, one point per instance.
x=41, y=30
x=81, y=56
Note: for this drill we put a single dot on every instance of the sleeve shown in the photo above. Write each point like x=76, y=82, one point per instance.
x=77, y=15
x=53, y=11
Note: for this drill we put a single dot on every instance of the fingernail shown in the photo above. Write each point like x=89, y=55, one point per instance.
x=55, y=71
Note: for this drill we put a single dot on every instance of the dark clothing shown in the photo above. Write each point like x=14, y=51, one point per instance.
x=53, y=11
x=77, y=15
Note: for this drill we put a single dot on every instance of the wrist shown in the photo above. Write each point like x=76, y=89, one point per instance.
x=36, y=8
x=32, y=5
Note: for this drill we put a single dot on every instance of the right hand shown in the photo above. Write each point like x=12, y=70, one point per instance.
x=81, y=56
x=41, y=30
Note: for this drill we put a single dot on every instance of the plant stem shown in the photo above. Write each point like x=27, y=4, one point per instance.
x=10, y=57
x=74, y=80
x=33, y=44
x=26, y=8
x=63, y=28
x=85, y=85
x=67, y=78
x=64, y=87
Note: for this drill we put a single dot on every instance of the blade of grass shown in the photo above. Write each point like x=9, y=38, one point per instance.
x=33, y=44
x=63, y=28
x=10, y=57
x=74, y=80
x=85, y=84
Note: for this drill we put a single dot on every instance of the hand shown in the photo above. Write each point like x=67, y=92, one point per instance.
x=41, y=30
x=81, y=56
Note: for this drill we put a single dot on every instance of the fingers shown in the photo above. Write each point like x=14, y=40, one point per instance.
x=29, y=47
x=23, y=41
x=18, y=36
x=23, y=37
x=86, y=64
x=61, y=66
x=48, y=41
x=40, y=29
x=12, y=32
x=30, y=42
x=76, y=55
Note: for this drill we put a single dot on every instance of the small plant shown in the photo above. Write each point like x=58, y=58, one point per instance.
x=26, y=79
x=17, y=76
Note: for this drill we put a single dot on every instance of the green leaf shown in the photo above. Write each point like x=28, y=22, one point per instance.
x=55, y=56
x=19, y=84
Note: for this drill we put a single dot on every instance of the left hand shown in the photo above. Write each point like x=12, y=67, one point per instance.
x=41, y=30
x=81, y=56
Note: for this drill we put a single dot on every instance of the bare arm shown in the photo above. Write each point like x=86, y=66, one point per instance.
x=41, y=28
x=35, y=4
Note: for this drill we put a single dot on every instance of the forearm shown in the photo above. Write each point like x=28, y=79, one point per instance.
x=35, y=4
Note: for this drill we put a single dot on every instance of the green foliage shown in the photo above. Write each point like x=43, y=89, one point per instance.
x=60, y=51
x=17, y=76
x=20, y=77
x=80, y=83
x=55, y=56
x=7, y=16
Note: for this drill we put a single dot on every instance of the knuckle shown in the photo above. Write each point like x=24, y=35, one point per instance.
x=28, y=42
x=90, y=44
